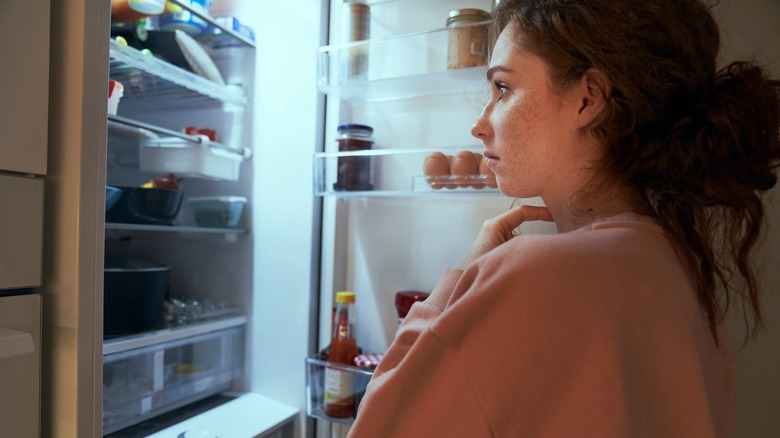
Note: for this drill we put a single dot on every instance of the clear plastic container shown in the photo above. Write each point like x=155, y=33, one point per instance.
x=217, y=211
x=179, y=156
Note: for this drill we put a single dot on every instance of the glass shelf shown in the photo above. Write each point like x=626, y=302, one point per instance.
x=394, y=173
x=220, y=35
x=153, y=83
x=163, y=336
x=423, y=71
x=229, y=234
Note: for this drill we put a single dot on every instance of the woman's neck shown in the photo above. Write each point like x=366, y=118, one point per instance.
x=581, y=208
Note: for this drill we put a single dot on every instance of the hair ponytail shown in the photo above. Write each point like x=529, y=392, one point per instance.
x=723, y=156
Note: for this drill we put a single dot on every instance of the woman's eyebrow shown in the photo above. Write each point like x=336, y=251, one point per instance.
x=497, y=68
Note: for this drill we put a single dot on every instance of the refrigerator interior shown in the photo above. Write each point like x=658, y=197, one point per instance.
x=148, y=375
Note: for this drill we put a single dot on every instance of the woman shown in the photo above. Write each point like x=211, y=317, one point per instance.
x=651, y=164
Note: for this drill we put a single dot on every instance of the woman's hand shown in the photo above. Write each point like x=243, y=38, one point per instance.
x=500, y=229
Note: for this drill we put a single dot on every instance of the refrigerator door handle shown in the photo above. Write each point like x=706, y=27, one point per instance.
x=15, y=343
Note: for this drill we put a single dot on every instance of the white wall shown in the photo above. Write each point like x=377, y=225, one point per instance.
x=751, y=30
x=285, y=137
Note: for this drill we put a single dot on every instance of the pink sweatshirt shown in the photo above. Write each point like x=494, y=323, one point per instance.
x=592, y=333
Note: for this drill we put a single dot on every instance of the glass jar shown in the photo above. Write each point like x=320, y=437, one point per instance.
x=355, y=26
x=467, y=42
x=354, y=172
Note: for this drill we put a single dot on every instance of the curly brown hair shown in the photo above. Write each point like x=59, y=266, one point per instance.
x=698, y=143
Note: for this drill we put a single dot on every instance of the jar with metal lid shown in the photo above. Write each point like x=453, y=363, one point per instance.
x=354, y=172
x=467, y=41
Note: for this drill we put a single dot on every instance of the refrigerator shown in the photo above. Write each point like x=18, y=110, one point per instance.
x=24, y=88
x=300, y=239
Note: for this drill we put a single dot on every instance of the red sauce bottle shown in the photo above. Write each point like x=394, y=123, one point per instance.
x=339, y=384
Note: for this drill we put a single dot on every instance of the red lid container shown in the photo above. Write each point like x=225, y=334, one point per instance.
x=405, y=299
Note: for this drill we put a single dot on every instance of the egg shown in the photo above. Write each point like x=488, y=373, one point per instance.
x=487, y=174
x=436, y=169
x=464, y=165
x=478, y=183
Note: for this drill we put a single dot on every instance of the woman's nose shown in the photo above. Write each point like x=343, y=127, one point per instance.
x=479, y=129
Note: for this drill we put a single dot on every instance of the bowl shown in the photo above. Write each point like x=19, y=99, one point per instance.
x=217, y=211
x=150, y=206
x=112, y=196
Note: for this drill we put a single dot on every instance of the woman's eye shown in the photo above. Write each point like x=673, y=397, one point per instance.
x=500, y=89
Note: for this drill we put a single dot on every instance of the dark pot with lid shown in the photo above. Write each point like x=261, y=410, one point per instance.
x=134, y=295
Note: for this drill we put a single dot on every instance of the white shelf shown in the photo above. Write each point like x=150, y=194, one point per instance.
x=248, y=415
x=153, y=83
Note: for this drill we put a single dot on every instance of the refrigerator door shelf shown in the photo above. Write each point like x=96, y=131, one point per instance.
x=424, y=70
x=315, y=387
x=398, y=172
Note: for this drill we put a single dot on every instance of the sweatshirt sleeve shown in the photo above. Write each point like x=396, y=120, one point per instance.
x=543, y=337
x=397, y=396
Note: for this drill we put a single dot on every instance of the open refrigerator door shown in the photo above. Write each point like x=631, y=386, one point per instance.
x=417, y=80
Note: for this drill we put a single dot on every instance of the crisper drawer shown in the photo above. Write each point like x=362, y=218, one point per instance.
x=144, y=382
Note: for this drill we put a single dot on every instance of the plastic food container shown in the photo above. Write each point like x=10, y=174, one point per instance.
x=217, y=211
x=174, y=155
x=115, y=92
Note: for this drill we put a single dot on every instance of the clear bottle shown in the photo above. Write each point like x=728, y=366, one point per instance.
x=339, y=385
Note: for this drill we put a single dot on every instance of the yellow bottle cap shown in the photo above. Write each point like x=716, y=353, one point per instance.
x=345, y=297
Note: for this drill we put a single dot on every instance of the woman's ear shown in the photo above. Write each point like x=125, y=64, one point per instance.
x=594, y=93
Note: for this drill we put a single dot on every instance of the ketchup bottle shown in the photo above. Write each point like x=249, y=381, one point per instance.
x=339, y=391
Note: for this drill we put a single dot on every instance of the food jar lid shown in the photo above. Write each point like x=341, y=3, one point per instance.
x=351, y=126
x=474, y=14
x=345, y=297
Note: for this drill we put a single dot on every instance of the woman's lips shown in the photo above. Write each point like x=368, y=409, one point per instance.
x=492, y=160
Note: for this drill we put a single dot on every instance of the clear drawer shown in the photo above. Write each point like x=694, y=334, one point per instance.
x=144, y=382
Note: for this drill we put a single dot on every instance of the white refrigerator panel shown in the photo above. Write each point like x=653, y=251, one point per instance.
x=24, y=85
x=21, y=231
x=20, y=365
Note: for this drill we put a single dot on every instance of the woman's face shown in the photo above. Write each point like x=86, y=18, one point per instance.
x=528, y=127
